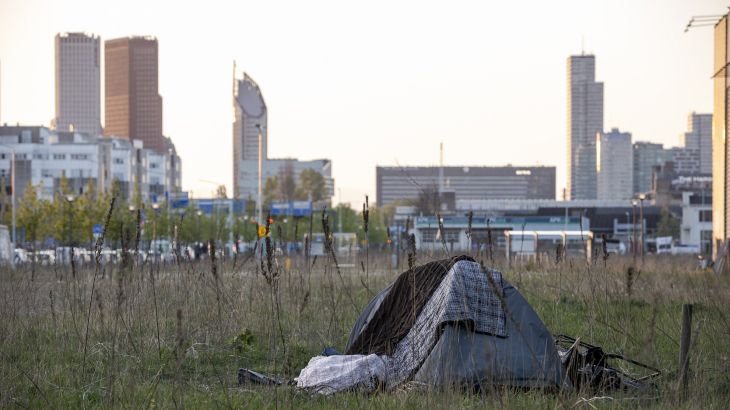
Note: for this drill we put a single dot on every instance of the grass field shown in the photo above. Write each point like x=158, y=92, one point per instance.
x=175, y=335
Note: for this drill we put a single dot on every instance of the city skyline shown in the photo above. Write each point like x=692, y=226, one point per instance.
x=394, y=113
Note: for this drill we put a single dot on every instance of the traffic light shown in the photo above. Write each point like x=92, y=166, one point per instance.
x=271, y=221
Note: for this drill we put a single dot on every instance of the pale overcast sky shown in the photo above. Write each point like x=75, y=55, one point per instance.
x=367, y=83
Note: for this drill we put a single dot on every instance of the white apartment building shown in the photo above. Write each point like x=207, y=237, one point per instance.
x=78, y=83
x=42, y=156
x=696, y=228
x=614, y=165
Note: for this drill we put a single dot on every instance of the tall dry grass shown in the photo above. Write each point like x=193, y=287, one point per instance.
x=174, y=334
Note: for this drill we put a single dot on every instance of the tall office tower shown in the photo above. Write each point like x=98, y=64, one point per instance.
x=585, y=121
x=694, y=153
x=133, y=105
x=614, y=165
x=250, y=119
x=646, y=155
x=78, y=83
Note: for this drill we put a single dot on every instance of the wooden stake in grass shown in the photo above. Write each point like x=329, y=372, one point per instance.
x=684, y=344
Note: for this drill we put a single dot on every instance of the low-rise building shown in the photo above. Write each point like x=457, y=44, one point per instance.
x=696, y=228
x=43, y=157
x=408, y=184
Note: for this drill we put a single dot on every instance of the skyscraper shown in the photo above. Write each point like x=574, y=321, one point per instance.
x=133, y=105
x=585, y=121
x=78, y=83
x=694, y=154
x=249, y=111
x=613, y=165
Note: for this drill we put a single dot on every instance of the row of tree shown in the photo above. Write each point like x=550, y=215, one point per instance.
x=43, y=223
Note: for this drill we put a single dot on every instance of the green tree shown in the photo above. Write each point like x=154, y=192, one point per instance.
x=312, y=187
x=287, y=183
x=668, y=225
x=64, y=212
x=33, y=214
x=6, y=206
x=119, y=214
x=270, y=191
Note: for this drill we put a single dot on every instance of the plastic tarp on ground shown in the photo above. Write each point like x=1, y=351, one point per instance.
x=527, y=357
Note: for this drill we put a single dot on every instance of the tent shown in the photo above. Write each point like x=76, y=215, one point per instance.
x=519, y=352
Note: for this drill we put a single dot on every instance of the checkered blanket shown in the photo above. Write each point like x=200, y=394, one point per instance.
x=464, y=295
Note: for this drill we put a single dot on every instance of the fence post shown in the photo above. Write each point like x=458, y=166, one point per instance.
x=685, y=340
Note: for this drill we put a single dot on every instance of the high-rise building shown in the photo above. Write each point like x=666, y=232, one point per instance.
x=250, y=119
x=613, y=165
x=646, y=155
x=133, y=105
x=584, y=167
x=585, y=121
x=720, y=142
x=694, y=154
x=78, y=83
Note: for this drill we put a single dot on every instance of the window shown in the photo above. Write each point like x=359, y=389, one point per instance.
x=79, y=156
x=705, y=215
x=429, y=235
x=119, y=160
x=706, y=242
x=59, y=156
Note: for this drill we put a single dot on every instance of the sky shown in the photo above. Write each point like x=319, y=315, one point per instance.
x=382, y=82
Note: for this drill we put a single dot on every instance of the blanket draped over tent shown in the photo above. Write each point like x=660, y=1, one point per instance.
x=464, y=296
x=400, y=307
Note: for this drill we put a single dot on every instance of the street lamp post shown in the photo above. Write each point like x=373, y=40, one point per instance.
x=641, y=224
x=633, y=229
x=155, y=207
x=12, y=188
x=339, y=210
x=70, y=199
x=259, y=204
x=199, y=213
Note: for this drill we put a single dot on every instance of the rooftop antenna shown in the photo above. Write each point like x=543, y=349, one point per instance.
x=703, y=21
x=441, y=167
